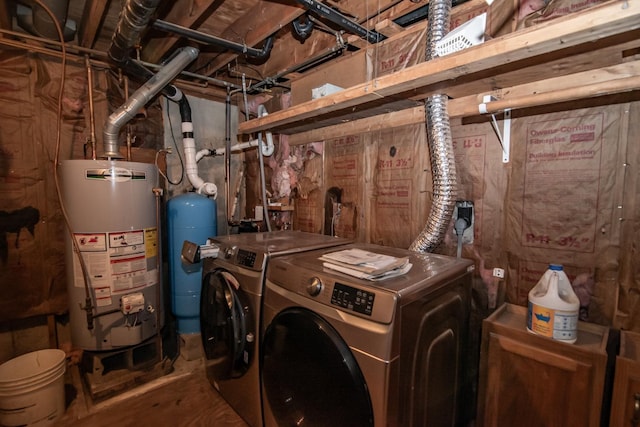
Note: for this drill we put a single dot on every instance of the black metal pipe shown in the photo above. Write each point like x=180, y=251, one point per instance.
x=201, y=37
x=339, y=19
x=302, y=29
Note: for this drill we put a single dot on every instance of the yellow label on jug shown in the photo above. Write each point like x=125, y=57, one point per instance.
x=556, y=324
x=541, y=320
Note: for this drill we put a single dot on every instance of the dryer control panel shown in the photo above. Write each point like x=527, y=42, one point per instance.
x=246, y=258
x=357, y=300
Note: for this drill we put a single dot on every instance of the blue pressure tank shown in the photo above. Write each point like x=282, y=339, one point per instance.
x=190, y=217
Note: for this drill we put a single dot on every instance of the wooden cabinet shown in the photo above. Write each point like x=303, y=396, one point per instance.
x=530, y=380
x=625, y=406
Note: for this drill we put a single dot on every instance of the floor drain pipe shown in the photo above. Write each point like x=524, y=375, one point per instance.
x=440, y=143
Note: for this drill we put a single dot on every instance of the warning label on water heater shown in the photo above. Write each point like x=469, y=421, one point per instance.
x=116, y=262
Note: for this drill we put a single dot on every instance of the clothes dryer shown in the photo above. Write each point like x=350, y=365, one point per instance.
x=343, y=351
x=230, y=316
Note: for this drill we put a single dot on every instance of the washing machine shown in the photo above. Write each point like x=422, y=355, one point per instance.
x=344, y=351
x=230, y=305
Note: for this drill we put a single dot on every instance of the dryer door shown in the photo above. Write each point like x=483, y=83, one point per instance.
x=226, y=325
x=310, y=376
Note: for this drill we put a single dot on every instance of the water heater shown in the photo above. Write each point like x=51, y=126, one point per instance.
x=190, y=217
x=112, y=208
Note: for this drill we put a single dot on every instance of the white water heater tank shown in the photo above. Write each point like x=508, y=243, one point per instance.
x=111, y=207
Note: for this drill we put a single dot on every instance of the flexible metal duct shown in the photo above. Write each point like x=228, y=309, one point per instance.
x=443, y=165
x=141, y=97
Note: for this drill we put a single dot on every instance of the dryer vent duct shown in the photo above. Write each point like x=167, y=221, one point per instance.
x=440, y=143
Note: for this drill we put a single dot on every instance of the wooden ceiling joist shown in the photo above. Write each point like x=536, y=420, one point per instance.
x=92, y=16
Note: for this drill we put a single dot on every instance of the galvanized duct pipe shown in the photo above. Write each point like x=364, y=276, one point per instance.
x=141, y=97
x=134, y=20
x=440, y=144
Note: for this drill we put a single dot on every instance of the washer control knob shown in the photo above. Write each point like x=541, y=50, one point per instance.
x=228, y=251
x=314, y=287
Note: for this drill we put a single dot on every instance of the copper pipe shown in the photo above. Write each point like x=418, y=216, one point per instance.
x=126, y=98
x=92, y=120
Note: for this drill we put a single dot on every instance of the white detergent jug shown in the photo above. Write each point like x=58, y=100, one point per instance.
x=554, y=307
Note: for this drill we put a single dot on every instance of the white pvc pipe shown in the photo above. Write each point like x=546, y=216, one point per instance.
x=203, y=153
x=191, y=165
x=267, y=150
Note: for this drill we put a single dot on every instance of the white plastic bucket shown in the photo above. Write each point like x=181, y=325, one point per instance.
x=32, y=388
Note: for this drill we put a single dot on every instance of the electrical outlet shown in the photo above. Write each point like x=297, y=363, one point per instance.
x=498, y=272
x=464, y=209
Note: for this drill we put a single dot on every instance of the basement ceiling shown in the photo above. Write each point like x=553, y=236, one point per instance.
x=247, y=23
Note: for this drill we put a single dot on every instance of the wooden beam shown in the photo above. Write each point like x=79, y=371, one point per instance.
x=92, y=17
x=185, y=14
x=388, y=28
x=567, y=94
x=600, y=23
x=393, y=119
x=560, y=66
x=589, y=84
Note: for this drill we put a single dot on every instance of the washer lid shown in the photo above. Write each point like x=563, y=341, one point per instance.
x=279, y=242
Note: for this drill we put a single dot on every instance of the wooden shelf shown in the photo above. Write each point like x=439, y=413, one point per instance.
x=586, y=54
x=280, y=208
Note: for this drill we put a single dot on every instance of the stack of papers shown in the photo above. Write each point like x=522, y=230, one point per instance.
x=366, y=265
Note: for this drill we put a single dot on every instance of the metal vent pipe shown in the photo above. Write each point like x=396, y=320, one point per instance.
x=141, y=97
x=440, y=143
x=134, y=20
